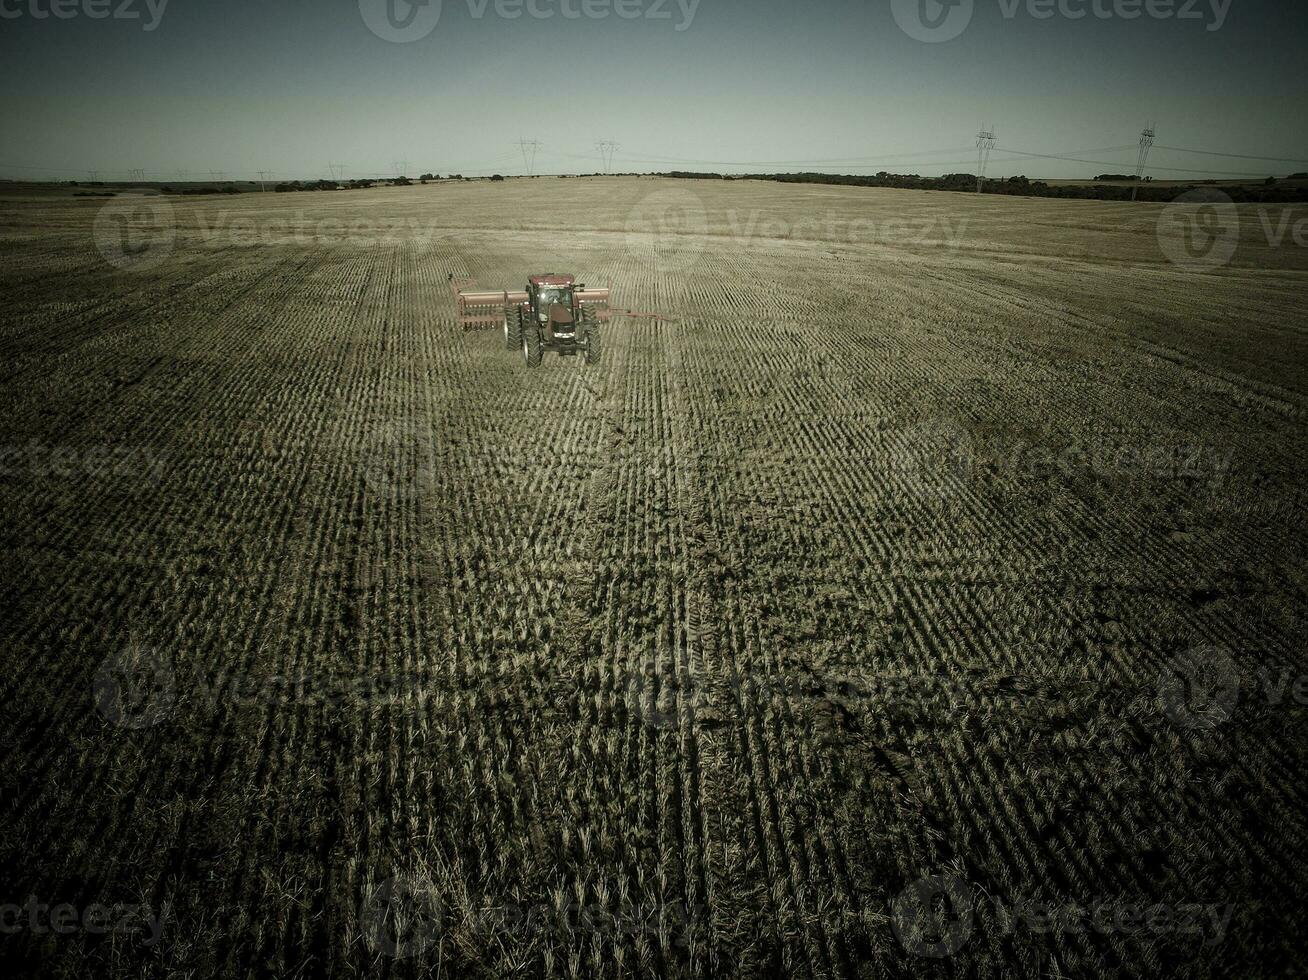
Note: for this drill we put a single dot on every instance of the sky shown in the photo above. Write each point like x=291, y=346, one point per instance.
x=309, y=88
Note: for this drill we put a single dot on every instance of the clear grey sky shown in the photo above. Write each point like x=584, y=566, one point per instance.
x=731, y=85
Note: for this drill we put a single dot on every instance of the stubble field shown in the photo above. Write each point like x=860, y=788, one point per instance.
x=925, y=594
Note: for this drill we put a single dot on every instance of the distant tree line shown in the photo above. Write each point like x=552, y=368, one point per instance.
x=292, y=186
x=1269, y=193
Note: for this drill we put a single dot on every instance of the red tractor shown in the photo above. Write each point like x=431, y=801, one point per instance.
x=553, y=313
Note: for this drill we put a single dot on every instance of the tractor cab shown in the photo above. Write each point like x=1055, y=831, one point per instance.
x=552, y=299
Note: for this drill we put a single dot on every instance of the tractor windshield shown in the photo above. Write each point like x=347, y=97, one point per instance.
x=549, y=295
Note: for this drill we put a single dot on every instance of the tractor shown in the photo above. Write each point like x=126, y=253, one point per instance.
x=554, y=313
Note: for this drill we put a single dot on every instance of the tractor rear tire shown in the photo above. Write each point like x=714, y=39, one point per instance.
x=531, y=347
x=593, y=349
x=512, y=331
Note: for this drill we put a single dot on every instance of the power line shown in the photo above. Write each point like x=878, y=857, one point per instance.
x=780, y=163
x=1233, y=156
x=1071, y=156
x=1107, y=163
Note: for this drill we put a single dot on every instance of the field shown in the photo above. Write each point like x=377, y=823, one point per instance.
x=925, y=595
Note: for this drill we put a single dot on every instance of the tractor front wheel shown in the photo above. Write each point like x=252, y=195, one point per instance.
x=512, y=331
x=593, y=344
x=531, y=348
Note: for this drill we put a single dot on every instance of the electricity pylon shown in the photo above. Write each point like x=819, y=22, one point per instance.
x=1146, y=143
x=985, y=142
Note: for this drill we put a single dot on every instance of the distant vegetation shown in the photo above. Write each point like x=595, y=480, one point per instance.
x=293, y=186
x=1253, y=193
x=196, y=191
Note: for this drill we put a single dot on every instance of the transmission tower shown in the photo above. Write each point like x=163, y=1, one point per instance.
x=607, y=148
x=529, y=148
x=218, y=176
x=95, y=176
x=138, y=175
x=333, y=167
x=985, y=142
x=401, y=168
x=263, y=179
x=1146, y=143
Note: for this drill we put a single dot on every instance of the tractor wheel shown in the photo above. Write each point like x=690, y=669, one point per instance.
x=512, y=331
x=531, y=348
x=593, y=344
